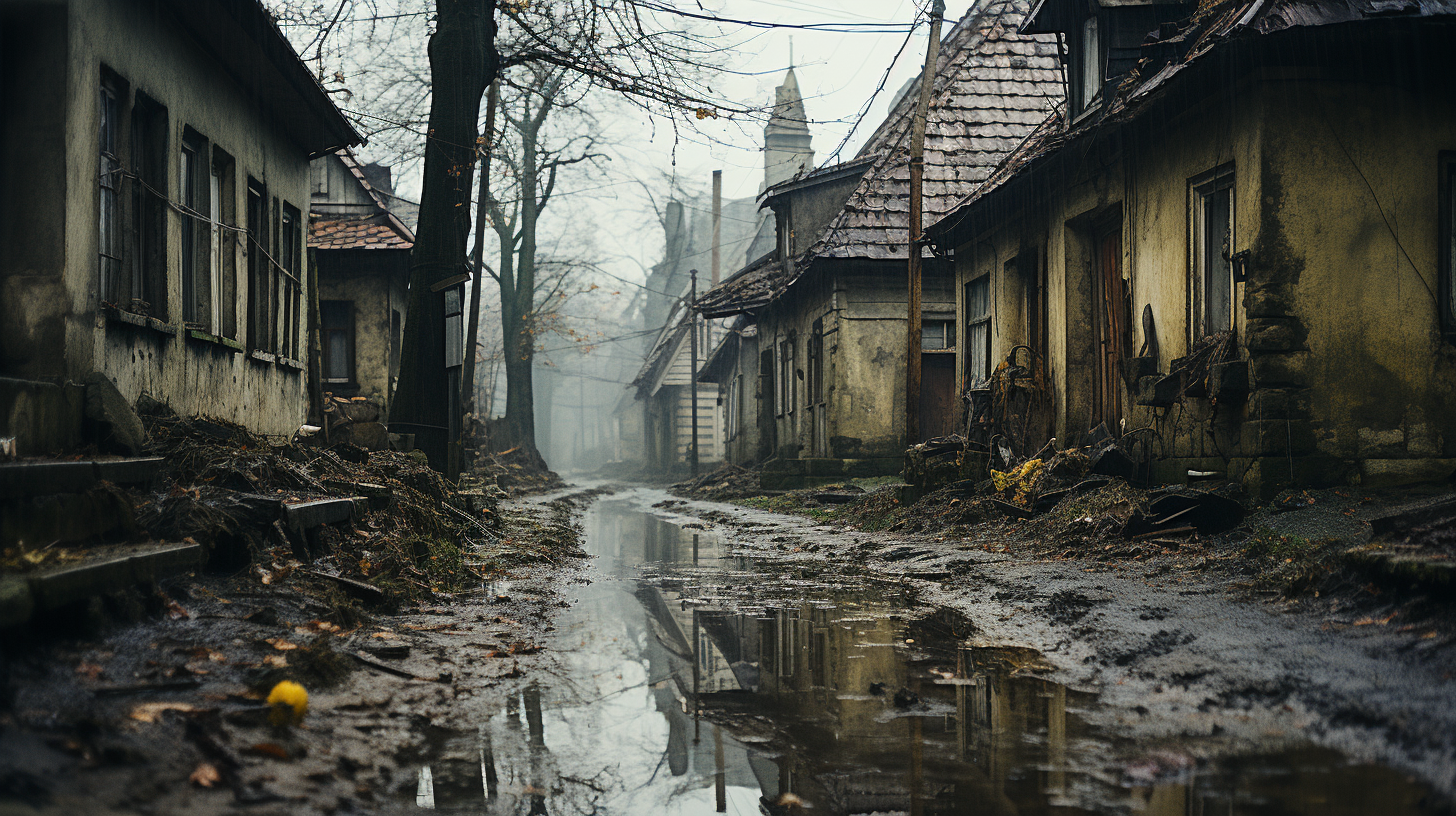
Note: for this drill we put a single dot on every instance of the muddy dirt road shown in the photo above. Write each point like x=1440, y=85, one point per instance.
x=723, y=659
x=712, y=658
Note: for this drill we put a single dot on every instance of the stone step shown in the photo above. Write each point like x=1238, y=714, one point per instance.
x=102, y=571
x=51, y=476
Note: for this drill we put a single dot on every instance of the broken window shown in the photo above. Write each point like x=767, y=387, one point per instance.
x=336, y=336
x=978, y=329
x=1211, y=274
x=937, y=335
x=109, y=243
x=193, y=185
x=290, y=281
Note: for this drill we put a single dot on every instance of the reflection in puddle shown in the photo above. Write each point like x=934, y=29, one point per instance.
x=686, y=682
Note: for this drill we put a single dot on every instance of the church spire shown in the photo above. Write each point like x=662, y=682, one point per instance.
x=787, y=148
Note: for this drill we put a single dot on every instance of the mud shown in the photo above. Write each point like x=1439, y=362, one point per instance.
x=710, y=657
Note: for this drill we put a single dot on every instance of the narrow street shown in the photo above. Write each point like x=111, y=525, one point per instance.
x=760, y=659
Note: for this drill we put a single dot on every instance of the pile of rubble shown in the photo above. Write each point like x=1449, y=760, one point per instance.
x=381, y=524
x=727, y=482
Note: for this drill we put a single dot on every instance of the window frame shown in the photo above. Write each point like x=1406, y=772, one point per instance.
x=973, y=321
x=1091, y=64
x=111, y=231
x=289, y=274
x=194, y=195
x=947, y=332
x=259, y=299
x=1200, y=189
x=151, y=153
x=326, y=331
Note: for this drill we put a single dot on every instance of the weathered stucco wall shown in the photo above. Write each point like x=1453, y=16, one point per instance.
x=1348, y=373
x=139, y=43
x=372, y=279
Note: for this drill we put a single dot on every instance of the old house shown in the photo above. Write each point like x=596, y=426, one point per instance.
x=362, y=253
x=663, y=418
x=154, y=173
x=1216, y=256
x=830, y=301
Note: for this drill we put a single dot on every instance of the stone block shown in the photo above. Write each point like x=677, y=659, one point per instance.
x=1278, y=437
x=1274, y=334
x=115, y=423
x=1424, y=440
x=1262, y=299
x=1384, y=472
x=1229, y=381
x=1279, y=369
x=1373, y=443
x=1278, y=403
x=359, y=410
x=44, y=418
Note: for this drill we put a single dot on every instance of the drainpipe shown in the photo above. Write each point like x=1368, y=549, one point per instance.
x=693, y=350
x=917, y=179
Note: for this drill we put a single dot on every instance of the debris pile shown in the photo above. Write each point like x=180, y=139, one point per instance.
x=727, y=482
x=379, y=524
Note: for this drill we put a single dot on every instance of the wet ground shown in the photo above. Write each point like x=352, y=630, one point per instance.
x=747, y=666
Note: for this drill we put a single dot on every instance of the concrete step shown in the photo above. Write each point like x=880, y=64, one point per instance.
x=100, y=571
x=49, y=476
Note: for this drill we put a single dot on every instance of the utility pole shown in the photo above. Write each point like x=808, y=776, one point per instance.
x=917, y=181
x=717, y=223
x=693, y=350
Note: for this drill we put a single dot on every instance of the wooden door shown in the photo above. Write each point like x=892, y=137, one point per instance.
x=767, y=428
x=1112, y=324
x=937, y=395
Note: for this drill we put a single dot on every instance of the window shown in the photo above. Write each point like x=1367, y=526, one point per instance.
x=1446, y=183
x=290, y=281
x=937, y=335
x=787, y=392
x=193, y=186
x=1091, y=63
x=319, y=176
x=1211, y=229
x=222, y=214
x=147, y=290
x=336, y=336
x=978, y=329
x=730, y=407
x=109, y=244
x=815, y=385
x=260, y=310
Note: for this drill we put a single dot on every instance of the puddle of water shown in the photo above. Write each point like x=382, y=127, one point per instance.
x=689, y=682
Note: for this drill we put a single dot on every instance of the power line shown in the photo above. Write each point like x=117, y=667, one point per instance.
x=835, y=27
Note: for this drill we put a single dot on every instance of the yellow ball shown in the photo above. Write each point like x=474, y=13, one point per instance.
x=289, y=702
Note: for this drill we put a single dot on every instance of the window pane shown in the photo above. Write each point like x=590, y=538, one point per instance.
x=979, y=349
x=978, y=297
x=336, y=355
x=1218, y=281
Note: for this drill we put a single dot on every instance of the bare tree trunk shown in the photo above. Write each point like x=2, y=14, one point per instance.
x=463, y=61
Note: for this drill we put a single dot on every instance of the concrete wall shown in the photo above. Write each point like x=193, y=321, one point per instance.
x=374, y=280
x=1348, y=371
x=51, y=289
x=862, y=305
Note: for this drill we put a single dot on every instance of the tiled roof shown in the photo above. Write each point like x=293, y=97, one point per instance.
x=1172, y=51
x=750, y=288
x=992, y=86
x=357, y=232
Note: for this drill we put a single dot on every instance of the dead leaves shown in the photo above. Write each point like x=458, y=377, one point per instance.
x=206, y=775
